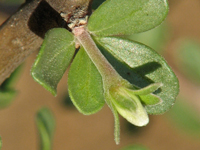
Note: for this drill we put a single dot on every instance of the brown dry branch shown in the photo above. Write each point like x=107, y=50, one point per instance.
x=24, y=31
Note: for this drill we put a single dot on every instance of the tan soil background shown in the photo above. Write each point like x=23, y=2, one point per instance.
x=75, y=131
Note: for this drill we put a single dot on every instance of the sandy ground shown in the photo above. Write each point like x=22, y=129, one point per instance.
x=75, y=131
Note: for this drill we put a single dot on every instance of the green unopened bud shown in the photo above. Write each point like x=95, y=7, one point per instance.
x=129, y=106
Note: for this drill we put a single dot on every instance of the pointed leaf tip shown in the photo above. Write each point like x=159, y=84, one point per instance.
x=148, y=89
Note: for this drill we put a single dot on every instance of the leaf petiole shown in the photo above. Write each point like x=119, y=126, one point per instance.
x=107, y=72
x=109, y=75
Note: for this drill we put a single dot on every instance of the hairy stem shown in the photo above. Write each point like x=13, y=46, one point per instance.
x=109, y=75
x=107, y=72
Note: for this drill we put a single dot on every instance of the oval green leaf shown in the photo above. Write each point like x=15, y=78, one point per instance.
x=125, y=17
x=53, y=59
x=85, y=84
x=142, y=66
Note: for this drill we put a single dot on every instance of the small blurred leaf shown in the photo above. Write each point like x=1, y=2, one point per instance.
x=187, y=59
x=154, y=38
x=142, y=66
x=6, y=97
x=46, y=125
x=7, y=92
x=85, y=84
x=117, y=17
x=185, y=117
x=134, y=147
x=53, y=59
x=0, y=143
x=10, y=82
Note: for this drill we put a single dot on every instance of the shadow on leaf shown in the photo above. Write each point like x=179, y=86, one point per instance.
x=137, y=75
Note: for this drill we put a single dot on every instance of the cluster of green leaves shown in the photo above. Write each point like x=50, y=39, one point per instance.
x=46, y=125
x=139, y=80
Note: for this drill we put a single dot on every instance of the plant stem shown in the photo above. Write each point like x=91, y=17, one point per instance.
x=107, y=72
x=109, y=75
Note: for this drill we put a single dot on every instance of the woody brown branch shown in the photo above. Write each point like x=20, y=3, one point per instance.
x=24, y=31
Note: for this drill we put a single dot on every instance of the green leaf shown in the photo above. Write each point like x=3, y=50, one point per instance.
x=187, y=59
x=85, y=84
x=134, y=147
x=142, y=66
x=125, y=17
x=46, y=125
x=150, y=99
x=53, y=59
x=185, y=117
x=7, y=97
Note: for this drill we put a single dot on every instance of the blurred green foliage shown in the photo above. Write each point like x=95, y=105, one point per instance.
x=6, y=98
x=46, y=125
x=187, y=59
x=7, y=91
x=0, y=143
x=185, y=118
x=134, y=147
x=155, y=38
